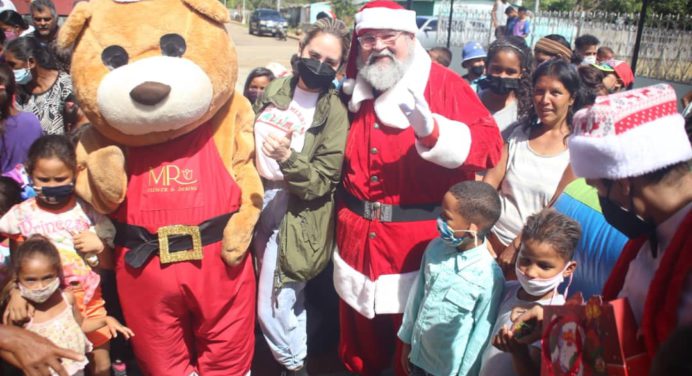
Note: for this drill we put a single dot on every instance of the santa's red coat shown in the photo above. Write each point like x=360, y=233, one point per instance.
x=376, y=262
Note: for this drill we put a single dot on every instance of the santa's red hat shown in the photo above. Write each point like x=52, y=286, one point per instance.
x=623, y=71
x=629, y=134
x=377, y=15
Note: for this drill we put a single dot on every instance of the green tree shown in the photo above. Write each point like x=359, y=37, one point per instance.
x=681, y=7
x=344, y=10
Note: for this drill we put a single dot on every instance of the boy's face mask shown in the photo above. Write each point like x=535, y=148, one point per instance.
x=447, y=234
x=541, y=286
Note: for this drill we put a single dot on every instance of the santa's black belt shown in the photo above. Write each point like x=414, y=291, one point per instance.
x=391, y=213
x=174, y=243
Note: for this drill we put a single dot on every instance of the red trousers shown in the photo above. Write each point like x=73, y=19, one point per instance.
x=191, y=316
x=369, y=346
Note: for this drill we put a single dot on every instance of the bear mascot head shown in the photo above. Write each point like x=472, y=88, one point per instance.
x=156, y=78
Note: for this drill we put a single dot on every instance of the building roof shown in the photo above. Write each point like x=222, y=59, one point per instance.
x=64, y=7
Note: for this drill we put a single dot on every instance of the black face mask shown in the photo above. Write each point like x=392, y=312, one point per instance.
x=499, y=85
x=625, y=221
x=315, y=75
x=56, y=195
x=477, y=70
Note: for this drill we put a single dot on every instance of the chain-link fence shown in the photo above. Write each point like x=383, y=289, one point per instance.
x=665, y=52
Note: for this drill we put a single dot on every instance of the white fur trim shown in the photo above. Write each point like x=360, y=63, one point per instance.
x=638, y=151
x=354, y=288
x=189, y=99
x=391, y=292
x=386, y=295
x=452, y=146
x=387, y=104
x=348, y=85
x=385, y=18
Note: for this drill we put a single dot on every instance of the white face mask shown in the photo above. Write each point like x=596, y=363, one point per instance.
x=588, y=60
x=39, y=295
x=539, y=286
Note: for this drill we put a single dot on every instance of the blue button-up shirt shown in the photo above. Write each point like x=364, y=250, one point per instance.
x=451, y=309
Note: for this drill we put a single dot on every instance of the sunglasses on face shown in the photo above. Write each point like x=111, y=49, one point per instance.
x=43, y=19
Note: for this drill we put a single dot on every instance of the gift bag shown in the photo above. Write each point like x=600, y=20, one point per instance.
x=599, y=338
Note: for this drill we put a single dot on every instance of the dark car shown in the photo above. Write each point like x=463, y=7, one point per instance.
x=267, y=21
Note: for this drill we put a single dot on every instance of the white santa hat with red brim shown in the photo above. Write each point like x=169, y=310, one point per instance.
x=376, y=15
x=629, y=134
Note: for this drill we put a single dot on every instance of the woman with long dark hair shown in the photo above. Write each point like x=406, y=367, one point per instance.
x=18, y=130
x=505, y=90
x=535, y=161
x=42, y=89
x=13, y=25
x=256, y=82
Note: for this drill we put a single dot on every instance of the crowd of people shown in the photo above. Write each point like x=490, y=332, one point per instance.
x=447, y=210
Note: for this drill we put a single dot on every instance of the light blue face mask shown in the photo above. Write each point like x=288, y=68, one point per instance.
x=447, y=234
x=22, y=76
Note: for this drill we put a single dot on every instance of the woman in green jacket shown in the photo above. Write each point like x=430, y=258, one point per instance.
x=300, y=133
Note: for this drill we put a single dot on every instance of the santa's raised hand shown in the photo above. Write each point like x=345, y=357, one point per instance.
x=420, y=117
x=278, y=148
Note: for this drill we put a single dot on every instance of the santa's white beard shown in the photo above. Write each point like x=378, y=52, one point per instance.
x=385, y=73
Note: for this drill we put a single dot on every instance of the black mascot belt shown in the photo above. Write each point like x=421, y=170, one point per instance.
x=174, y=243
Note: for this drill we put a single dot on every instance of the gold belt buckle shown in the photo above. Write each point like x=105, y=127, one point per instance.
x=166, y=257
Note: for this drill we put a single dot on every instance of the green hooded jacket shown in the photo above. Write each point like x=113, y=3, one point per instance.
x=306, y=233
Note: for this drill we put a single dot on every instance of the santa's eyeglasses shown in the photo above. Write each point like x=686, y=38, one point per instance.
x=368, y=41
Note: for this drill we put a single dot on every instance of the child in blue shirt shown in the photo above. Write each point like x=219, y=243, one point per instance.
x=453, y=304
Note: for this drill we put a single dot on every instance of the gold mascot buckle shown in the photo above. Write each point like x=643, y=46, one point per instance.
x=167, y=257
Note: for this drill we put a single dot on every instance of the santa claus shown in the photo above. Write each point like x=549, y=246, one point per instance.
x=417, y=128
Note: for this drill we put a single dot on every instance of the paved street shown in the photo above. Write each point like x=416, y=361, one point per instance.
x=255, y=51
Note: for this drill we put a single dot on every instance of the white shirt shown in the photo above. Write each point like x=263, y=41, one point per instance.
x=495, y=362
x=7, y=5
x=500, y=15
x=297, y=118
x=642, y=269
x=529, y=184
x=506, y=116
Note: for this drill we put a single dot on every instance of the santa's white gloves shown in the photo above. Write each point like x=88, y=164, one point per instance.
x=420, y=116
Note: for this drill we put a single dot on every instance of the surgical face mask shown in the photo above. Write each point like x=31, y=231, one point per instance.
x=588, y=60
x=499, y=85
x=55, y=195
x=39, y=295
x=253, y=94
x=541, y=286
x=625, y=221
x=315, y=74
x=447, y=234
x=10, y=35
x=22, y=76
x=337, y=83
x=477, y=70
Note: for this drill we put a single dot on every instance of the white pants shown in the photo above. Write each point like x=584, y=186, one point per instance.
x=281, y=313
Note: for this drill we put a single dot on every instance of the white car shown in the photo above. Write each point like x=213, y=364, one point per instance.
x=427, y=31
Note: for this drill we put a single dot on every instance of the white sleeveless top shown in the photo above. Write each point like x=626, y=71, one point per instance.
x=64, y=331
x=530, y=182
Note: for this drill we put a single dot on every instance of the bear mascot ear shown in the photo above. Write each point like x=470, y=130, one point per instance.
x=74, y=24
x=210, y=8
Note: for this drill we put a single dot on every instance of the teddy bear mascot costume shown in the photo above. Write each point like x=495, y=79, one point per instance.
x=170, y=156
x=417, y=129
